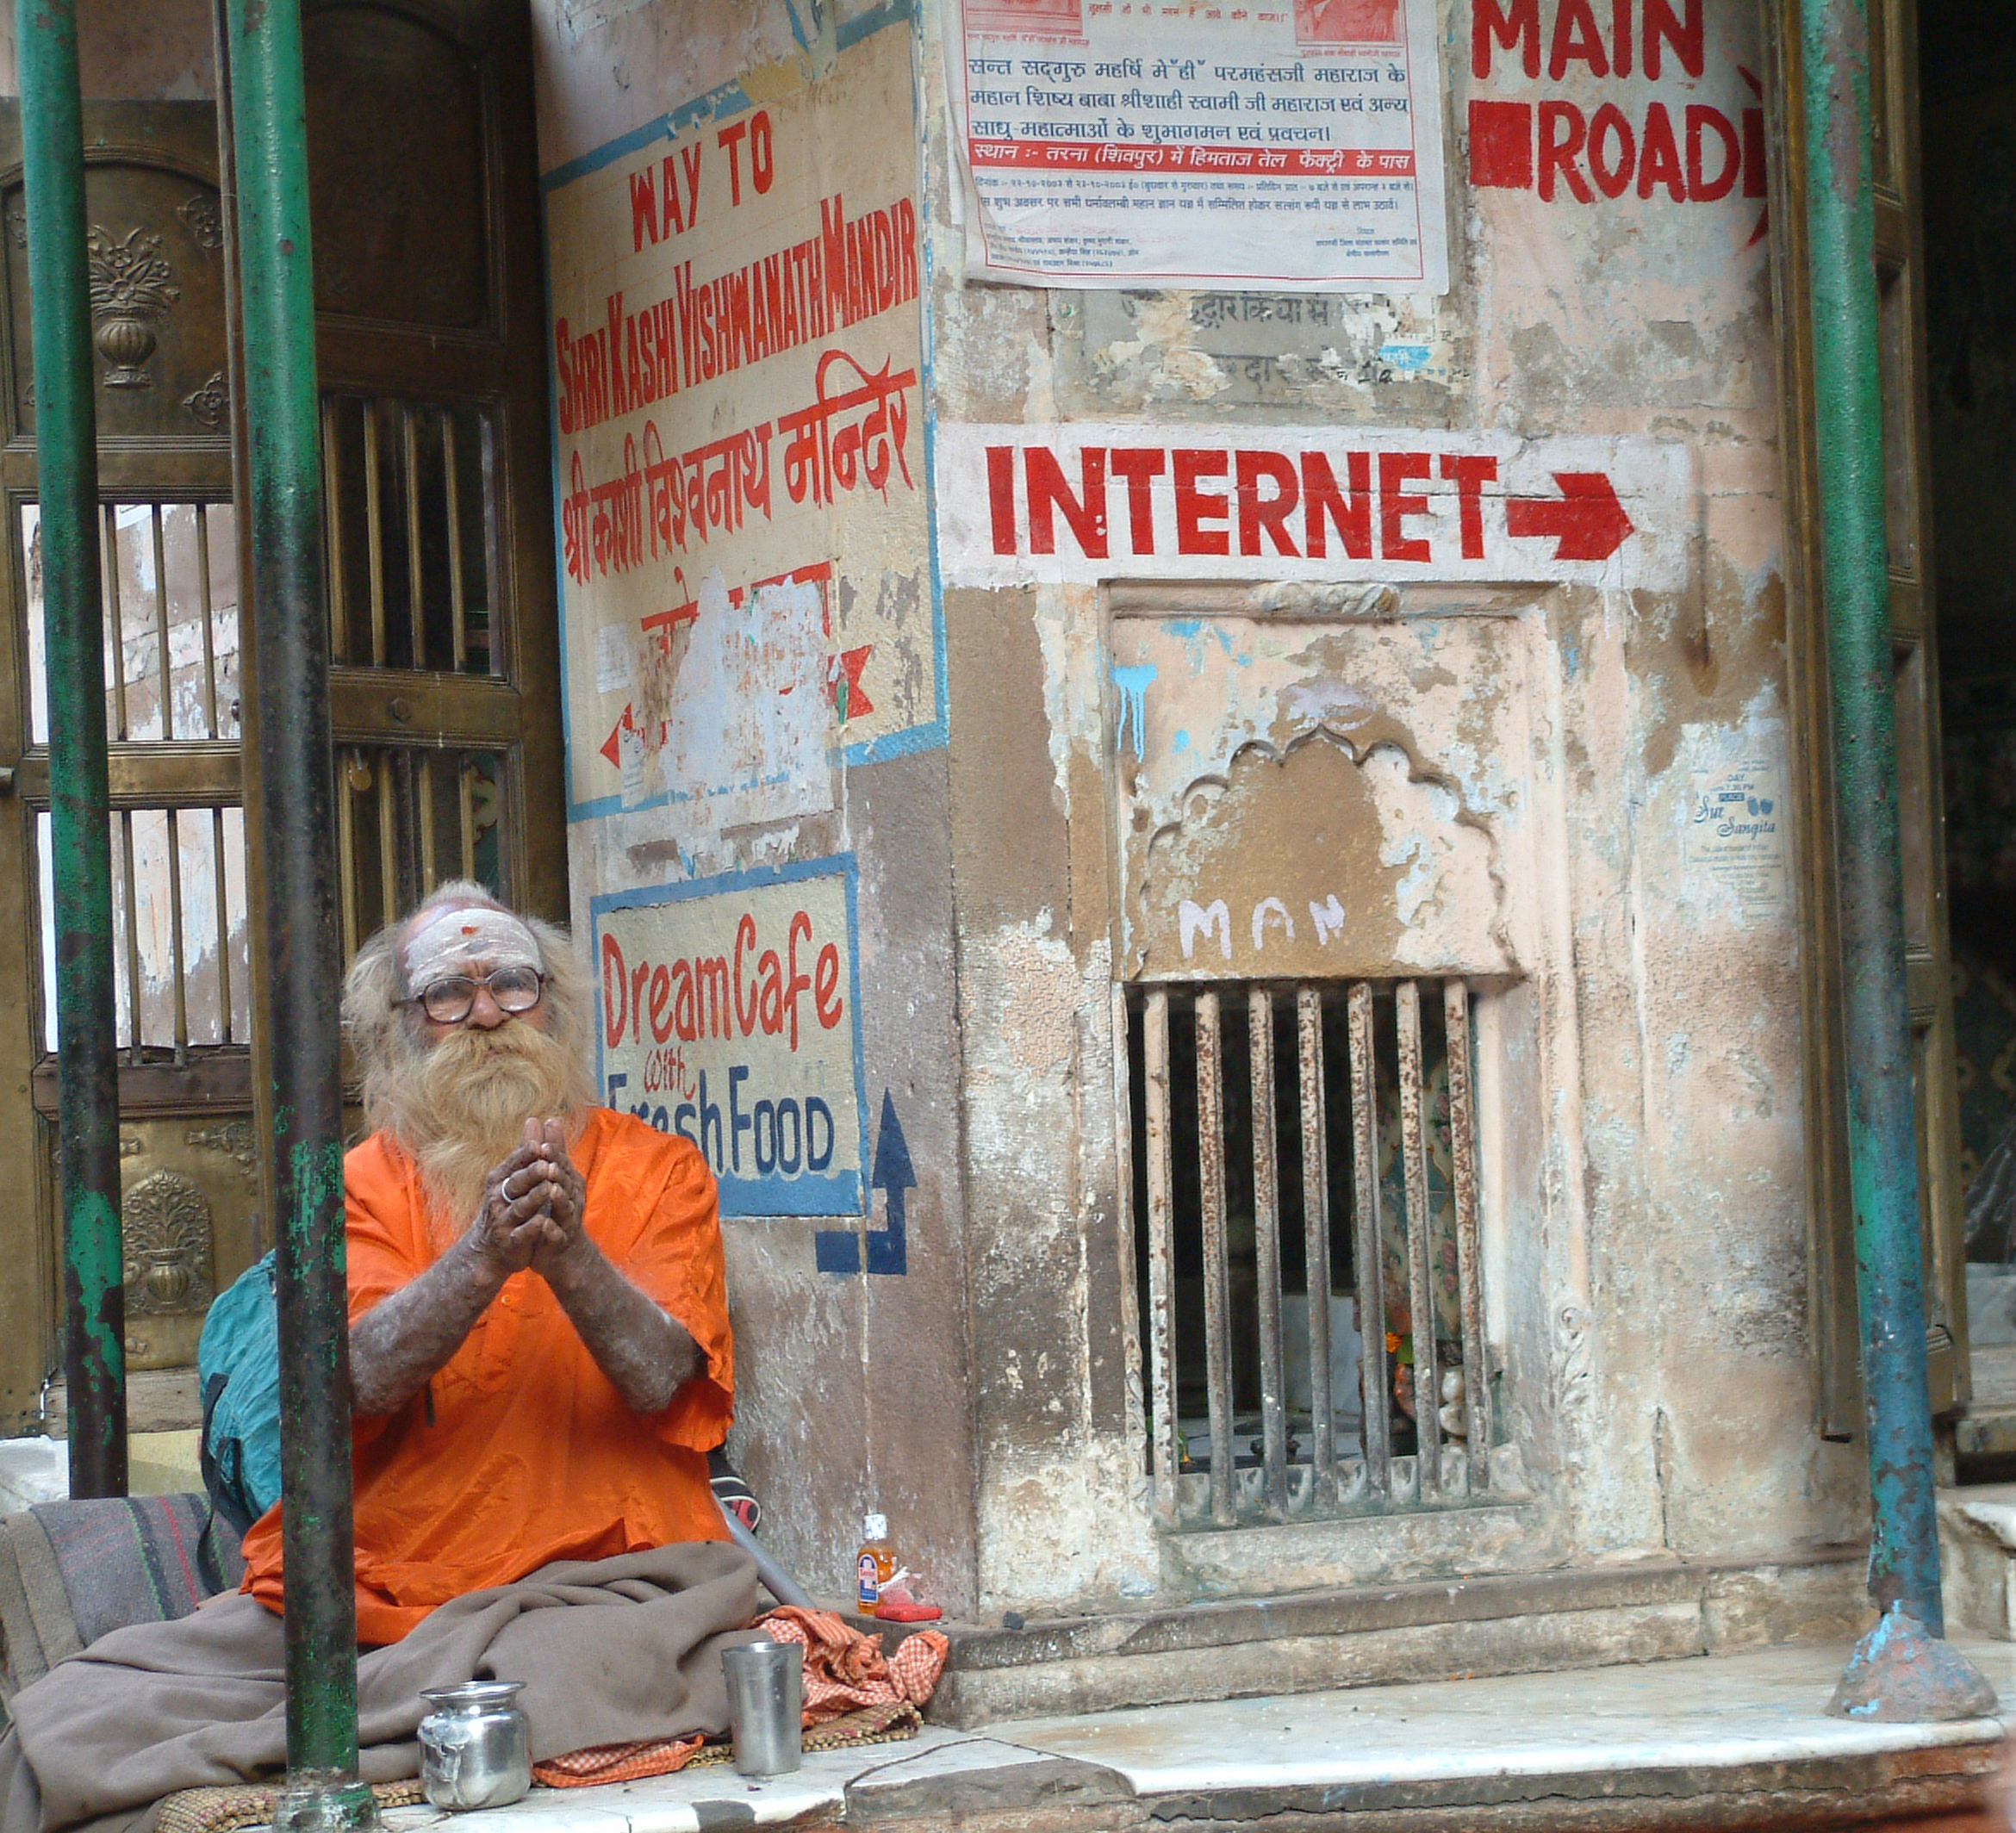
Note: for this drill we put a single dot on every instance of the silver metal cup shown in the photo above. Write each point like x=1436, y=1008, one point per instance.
x=473, y=1746
x=766, y=1701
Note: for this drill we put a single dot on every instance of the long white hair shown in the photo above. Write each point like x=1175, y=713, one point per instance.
x=458, y=1103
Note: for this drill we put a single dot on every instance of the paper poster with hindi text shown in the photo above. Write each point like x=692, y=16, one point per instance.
x=1172, y=143
x=739, y=451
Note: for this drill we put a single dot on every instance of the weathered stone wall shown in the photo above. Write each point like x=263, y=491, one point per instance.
x=1644, y=1224
x=1645, y=1217
x=782, y=737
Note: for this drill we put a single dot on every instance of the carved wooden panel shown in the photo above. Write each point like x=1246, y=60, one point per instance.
x=156, y=263
x=397, y=193
x=188, y=1216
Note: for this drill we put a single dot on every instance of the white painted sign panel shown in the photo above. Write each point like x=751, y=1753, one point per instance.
x=1115, y=142
x=730, y=1014
x=739, y=451
x=1084, y=502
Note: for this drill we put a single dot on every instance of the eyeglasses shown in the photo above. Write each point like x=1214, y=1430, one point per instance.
x=449, y=1002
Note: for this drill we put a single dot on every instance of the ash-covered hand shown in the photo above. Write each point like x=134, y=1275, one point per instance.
x=516, y=1222
x=397, y=1345
x=645, y=1352
x=564, y=1212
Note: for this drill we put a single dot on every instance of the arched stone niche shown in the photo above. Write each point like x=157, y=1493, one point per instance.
x=1328, y=857
x=1317, y=797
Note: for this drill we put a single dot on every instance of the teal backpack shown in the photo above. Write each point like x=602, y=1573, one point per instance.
x=237, y=1373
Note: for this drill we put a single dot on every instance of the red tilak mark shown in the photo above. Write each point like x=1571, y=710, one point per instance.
x=1587, y=522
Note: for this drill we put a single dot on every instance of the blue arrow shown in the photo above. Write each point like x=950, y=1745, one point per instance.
x=887, y=1251
x=838, y=1250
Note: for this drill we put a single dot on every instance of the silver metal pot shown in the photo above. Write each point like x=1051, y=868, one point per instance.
x=473, y=1746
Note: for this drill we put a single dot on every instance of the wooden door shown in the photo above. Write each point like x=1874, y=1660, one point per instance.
x=1900, y=292
x=444, y=635
x=169, y=550
x=443, y=607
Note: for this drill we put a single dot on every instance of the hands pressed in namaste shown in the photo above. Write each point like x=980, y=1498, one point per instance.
x=532, y=1204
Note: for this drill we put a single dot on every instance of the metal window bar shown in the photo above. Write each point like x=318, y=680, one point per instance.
x=1156, y=1157
x=221, y=892
x=1266, y=1223
x=375, y=530
x=458, y=596
x=119, y=723
x=465, y=816
x=209, y=619
x=1316, y=1224
x=407, y=532
x=165, y=659
x=410, y=459
x=424, y=795
x=167, y=565
x=332, y=530
x=389, y=900
x=1210, y=1160
x=1374, y=1426
x=125, y=870
x=178, y=960
x=424, y=815
x=1264, y=1199
x=179, y=932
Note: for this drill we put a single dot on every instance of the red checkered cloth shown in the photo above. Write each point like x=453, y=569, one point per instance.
x=845, y=1669
x=598, y=1763
x=847, y=1678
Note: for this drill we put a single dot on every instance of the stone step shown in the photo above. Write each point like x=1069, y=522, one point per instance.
x=1742, y=1741
x=1646, y=1610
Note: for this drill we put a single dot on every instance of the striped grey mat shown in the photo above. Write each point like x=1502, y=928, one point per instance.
x=73, y=1571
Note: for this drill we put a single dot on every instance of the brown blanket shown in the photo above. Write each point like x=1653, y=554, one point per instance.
x=143, y=1712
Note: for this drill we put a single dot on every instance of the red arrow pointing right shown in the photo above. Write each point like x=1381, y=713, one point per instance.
x=1586, y=520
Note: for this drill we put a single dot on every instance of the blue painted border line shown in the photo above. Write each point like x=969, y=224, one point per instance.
x=840, y=1195
x=553, y=510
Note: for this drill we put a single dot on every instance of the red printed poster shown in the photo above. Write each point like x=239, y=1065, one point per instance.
x=1128, y=142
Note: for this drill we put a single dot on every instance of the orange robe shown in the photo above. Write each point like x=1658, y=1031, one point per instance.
x=520, y=1451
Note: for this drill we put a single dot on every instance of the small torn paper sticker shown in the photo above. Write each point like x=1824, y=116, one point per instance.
x=630, y=747
x=615, y=663
x=1736, y=821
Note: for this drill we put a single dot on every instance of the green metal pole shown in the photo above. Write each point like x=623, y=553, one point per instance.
x=1900, y=1670
x=297, y=856
x=66, y=460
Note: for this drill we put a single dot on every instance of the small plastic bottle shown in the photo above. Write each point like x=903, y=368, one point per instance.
x=875, y=1564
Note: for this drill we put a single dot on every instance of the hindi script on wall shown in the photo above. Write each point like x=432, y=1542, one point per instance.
x=1134, y=142
x=740, y=463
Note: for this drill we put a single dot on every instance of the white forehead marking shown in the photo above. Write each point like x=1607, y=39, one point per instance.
x=448, y=940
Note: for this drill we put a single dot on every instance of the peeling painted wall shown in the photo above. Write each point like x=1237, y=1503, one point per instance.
x=759, y=807
x=1525, y=777
x=1419, y=760
x=1543, y=773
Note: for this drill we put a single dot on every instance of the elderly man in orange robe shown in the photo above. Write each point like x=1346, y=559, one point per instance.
x=539, y=1340
x=541, y=1356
